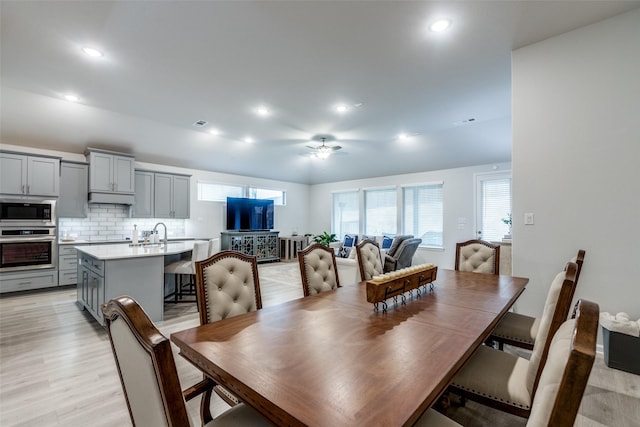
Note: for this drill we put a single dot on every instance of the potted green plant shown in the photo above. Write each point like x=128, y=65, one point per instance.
x=325, y=238
x=508, y=221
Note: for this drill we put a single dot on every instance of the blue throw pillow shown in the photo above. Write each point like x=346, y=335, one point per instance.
x=386, y=242
x=350, y=240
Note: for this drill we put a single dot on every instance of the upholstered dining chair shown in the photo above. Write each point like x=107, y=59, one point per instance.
x=186, y=267
x=508, y=382
x=369, y=259
x=478, y=256
x=214, y=246
x=318, y=269
x=564, y=377
x=148, y=374
x=403, y=256
x=227, y=285
x=520, y=330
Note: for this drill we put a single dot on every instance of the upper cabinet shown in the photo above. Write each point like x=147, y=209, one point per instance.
x=74, y=186
x=171, y=196
x=110, y=172
x=29, y=175
x=161, y=195
x=143, y=205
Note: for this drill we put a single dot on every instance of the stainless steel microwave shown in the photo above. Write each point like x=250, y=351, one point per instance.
x=28, y=212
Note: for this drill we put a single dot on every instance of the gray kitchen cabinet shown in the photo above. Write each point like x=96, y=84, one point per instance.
x=143, y=201
x=161, y=195
x=171, y=196
x=67, y=265
x=74, y=188
x=28, y=175
x=90, y=289
x=110, y=172
x=27, y=280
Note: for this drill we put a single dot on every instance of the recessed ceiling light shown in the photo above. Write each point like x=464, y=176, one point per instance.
x=71, y=98
x=342, y=108
x=248, y=140
x=94, y=53
x=262, y=111
x=214, y=131
x=440, y=25
x=402, y=136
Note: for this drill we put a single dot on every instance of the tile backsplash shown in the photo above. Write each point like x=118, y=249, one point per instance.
x=112, y=222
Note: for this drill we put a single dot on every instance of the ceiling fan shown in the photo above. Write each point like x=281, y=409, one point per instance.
x=323, y=151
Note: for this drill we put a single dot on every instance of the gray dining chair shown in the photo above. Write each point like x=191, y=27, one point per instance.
x=148, y=374
x=564, y=377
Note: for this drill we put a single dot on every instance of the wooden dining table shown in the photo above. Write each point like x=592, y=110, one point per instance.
x=332, y=360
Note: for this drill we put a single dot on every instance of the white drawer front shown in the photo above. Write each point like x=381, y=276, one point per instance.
x=67, y=277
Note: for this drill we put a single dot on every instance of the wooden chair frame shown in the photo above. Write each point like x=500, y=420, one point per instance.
x=496, y=248
x=306, y=251
x=359, y=246
x=159, y=349
x=559, y=316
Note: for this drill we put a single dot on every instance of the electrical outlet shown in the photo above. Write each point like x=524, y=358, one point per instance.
x=528, y=219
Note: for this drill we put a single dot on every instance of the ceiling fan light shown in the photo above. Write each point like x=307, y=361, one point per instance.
x=323, y=154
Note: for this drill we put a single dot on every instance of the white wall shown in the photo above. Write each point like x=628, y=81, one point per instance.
x=208, y=218
x=458, y=196
x=576, y=156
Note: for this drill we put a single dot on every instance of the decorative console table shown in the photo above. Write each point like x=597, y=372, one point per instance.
x=262, y=244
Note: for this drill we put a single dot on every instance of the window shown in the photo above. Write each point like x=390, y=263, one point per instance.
x=211, y=192
x=494, y=205
x=380, y=212
x=277, y=196
x=424, y=213
x=345, y=213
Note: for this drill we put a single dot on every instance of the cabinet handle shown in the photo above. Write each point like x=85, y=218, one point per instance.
x=24, y=283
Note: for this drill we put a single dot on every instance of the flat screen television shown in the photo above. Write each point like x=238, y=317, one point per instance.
x=249, y=214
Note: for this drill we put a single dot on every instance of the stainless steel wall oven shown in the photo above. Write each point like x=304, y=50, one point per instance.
x=28, y=238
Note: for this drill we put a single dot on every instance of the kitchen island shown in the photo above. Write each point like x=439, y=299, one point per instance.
x=108, y=271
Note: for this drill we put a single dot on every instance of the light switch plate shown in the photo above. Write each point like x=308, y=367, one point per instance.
x=528, y=219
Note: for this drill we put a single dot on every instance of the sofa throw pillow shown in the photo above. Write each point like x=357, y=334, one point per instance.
x=350, y=240
x=386, y=242
x=344, y=252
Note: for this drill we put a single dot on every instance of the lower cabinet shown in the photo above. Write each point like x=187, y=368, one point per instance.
x=27, y=280
x=262, y=244
x=67, y=265
x=90, y=289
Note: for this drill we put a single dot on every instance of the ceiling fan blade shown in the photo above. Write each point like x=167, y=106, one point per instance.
x=334, y=148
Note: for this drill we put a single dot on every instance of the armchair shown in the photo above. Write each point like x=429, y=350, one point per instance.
x=401, y=256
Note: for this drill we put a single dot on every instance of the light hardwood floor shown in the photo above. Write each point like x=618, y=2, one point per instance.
x=57, y=369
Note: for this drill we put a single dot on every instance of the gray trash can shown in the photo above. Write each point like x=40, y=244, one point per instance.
x=621, y=351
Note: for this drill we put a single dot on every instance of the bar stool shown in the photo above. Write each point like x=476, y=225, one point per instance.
x=187, y=267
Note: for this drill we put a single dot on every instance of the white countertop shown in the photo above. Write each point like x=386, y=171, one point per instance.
x=106, y=242
x=120, y=251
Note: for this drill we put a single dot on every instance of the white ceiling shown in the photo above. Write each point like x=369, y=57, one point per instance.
x=168, y=64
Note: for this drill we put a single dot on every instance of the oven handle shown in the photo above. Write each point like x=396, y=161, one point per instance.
x=28, y=239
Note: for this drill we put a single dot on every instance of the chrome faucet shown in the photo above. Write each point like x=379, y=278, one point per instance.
x=165, y=231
